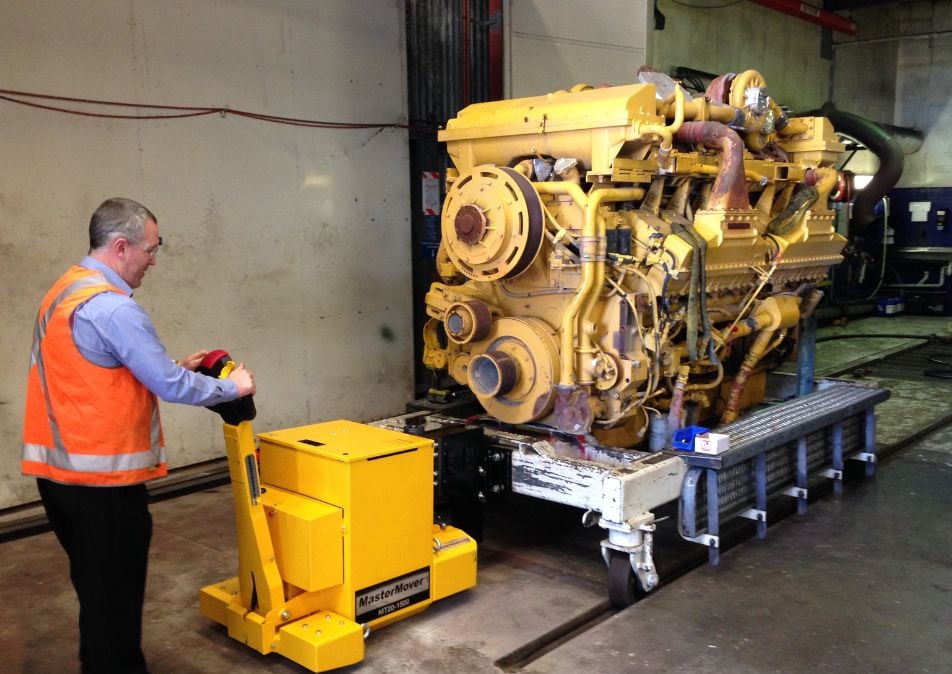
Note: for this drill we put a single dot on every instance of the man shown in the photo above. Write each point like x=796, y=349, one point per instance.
x=92, y=435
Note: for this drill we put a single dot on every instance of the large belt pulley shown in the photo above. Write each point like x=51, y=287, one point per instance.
x=492, y=223
x=513, y=372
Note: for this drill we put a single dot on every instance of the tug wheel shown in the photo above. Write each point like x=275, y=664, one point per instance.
x=624, y=588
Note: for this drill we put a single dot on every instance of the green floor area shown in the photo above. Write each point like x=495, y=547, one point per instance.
x=884, y=351
x=873, y=337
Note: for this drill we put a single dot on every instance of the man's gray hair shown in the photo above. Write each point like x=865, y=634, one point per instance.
x=118, y=217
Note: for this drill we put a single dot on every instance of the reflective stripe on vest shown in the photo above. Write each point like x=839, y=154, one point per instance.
x=93, y=463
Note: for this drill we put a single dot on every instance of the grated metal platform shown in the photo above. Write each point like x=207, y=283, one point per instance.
x=778, y=450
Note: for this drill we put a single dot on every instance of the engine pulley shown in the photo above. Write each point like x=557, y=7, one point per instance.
x=492, y=223
x=513, y=371
x=468, y=321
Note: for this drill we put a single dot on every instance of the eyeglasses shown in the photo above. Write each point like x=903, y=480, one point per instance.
x=152, y=250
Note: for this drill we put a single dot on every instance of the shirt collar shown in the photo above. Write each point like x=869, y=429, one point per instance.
x=111, y=276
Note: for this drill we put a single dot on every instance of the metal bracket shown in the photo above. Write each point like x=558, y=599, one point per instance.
x=833, y=474
x=795, y=492
x=439, y=545
x=589, y=518
x=645, y=522
x=705, y=539
x=865, y=457
x=754, y=514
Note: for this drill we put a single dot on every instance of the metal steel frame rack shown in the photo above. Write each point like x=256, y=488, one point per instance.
x=778, y=450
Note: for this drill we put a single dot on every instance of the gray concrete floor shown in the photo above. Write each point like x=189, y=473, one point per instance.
x=861, y=583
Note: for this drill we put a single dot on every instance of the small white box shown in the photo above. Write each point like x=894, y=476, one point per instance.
x=712, y=443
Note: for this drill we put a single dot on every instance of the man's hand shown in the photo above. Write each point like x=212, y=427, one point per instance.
x=244, y=380
x=193, y=361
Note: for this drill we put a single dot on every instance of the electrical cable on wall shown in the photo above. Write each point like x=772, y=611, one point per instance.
x=177, y=111
x=882, y=266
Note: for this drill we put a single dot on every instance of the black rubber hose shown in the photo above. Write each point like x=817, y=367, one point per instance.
x=880, y=143
x=691, y=322
x=702, y=284
x=697, y=297
x=788, y=219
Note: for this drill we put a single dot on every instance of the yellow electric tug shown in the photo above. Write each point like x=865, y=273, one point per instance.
x=335, y=539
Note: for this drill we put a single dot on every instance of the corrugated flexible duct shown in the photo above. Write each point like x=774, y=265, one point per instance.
x=886, y=148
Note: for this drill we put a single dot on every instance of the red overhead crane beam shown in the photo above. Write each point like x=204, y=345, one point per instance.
x=821, y=17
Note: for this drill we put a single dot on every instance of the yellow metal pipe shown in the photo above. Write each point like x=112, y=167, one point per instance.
x=587, y=251
x=725, y=114
x=665, y=132
x=699, y=110
x=567, y=377
x=593, y=269
x=749, y=174
x=773, y=313
x=524, y=167
x=826, y=178
x=585, y=350
x=756, y=351
x=559, y=188
x=592, y=252
x=695, y=109
x=795, y=127
x=755, y=177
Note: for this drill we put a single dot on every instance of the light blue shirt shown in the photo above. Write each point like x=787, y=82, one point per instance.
x=112, y=330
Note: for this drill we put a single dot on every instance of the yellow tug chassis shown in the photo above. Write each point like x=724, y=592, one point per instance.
x=335, y=539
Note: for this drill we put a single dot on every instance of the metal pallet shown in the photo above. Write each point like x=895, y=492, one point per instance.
x=778, y=450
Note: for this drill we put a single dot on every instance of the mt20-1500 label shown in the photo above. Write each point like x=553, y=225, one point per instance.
x=392, y=595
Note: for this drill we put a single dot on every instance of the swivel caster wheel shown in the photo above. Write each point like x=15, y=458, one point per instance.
x=624, y=588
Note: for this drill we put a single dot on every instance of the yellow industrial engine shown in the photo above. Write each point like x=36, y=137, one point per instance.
x=611, y=252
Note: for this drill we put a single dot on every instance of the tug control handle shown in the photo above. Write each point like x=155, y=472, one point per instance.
x=218, y=363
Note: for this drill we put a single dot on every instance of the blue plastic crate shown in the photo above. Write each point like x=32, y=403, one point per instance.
x=684, y=437
x=890, y=306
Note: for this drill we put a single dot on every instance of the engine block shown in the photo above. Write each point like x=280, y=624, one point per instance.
x=613, y=253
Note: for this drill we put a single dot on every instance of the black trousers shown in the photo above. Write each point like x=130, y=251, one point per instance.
x=105, y=532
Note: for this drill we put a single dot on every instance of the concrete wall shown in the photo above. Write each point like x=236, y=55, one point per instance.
x=289, y=246
x=898, y=70
x=923, y=83
x=555, y=44
x=744, y=36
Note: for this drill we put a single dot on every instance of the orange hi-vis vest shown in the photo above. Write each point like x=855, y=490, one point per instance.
x=85, y=424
